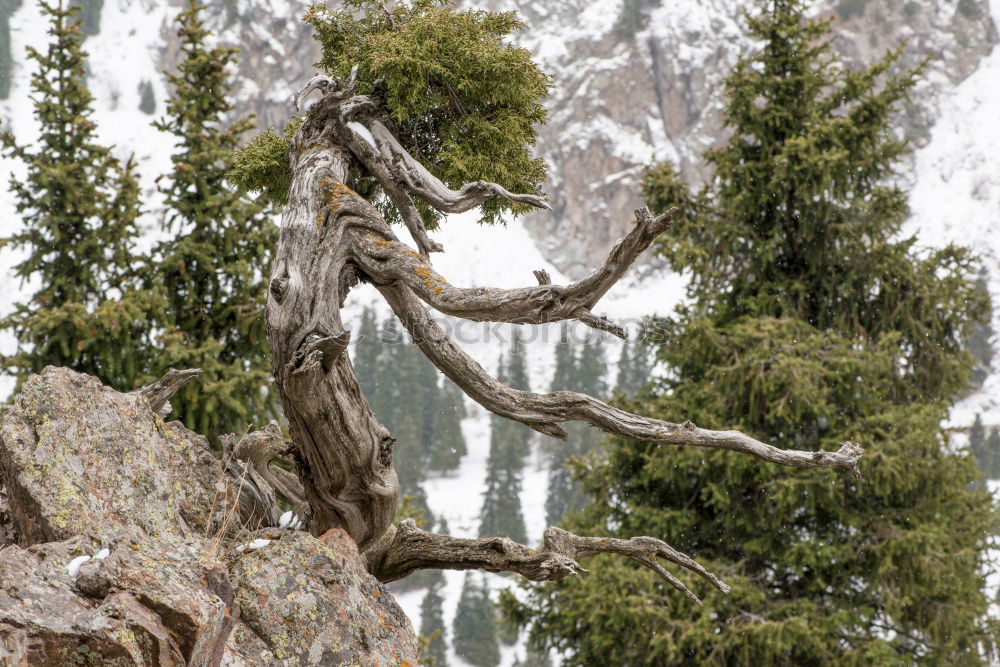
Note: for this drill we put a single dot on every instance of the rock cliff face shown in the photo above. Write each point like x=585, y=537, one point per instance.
x=635, y=80
x=630, y=90
x=118, y=547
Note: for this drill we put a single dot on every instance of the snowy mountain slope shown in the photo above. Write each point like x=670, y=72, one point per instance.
x=625, y=96
x=955, y=176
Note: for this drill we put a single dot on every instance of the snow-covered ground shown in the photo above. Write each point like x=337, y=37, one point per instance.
x=956, y=197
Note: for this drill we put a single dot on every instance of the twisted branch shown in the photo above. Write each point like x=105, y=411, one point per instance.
x=544, y=412
x=388, y=261
x=407, y=549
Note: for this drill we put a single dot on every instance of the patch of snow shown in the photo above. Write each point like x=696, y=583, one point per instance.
x=74, y=565
x=363, y=132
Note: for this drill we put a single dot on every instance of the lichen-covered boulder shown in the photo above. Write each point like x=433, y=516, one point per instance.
x=77, y=456
x=84, y=469
x=309, y=601
x=143, y=601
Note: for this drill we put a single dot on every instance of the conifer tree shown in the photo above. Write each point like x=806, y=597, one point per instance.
x=585, y=372
x=592, y=368
x=516, y=375
x=406, y=421
x=634, y=367
x=212, y=266
x=980, y=341
x=992, y=455
x=501, y=514
x=810, y=322
x=367, y=348
x=977, y=440
x=7, y=9
x=147, y=98
x=448, y=444
x=90, y=15
x=432, y=623
x=474, y=629
x=79, y=206
x=565, y=366
x=517, y=364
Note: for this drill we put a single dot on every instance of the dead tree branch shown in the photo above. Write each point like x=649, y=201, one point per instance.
x=160, y=392
x=407, y=549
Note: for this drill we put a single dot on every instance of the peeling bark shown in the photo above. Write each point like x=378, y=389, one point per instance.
x=331, y=238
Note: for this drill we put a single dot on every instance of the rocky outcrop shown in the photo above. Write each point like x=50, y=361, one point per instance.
x=79, y=456
x=147, y=601
x=336, y=616
x=128, y=551
x=8, y=534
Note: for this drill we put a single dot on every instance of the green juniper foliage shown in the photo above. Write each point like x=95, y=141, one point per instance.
x=460, y=98
x=810, y=322
x=78, y=207
x=212, y=266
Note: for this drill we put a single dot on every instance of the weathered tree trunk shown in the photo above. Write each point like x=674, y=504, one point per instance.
x=331, y=238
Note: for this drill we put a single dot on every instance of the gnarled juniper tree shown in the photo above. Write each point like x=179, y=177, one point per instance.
x=419, y=105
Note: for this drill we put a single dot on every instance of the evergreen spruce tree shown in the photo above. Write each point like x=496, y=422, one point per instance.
x=474, y=630
x=432, y=623
x=7, y=9
x=517, y=376
x=991, y=455
x=213, y=265
x=367, y=348
x=810, y=322
x=980, y=341
x=565, y=366
x=977, y=440
x=517, y=364
x=79, y=207
x=147, y=98
x=405, y=418
x=501, y=514
x=592, y=368
x=90, y=15
x=623, y=381
x=634, y=367
x=587, y=374
x=448, y=444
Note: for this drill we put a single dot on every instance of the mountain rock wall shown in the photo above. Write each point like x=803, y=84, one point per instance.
x=635, y=80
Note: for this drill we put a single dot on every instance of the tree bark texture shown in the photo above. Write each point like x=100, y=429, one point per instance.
x=332, y=238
